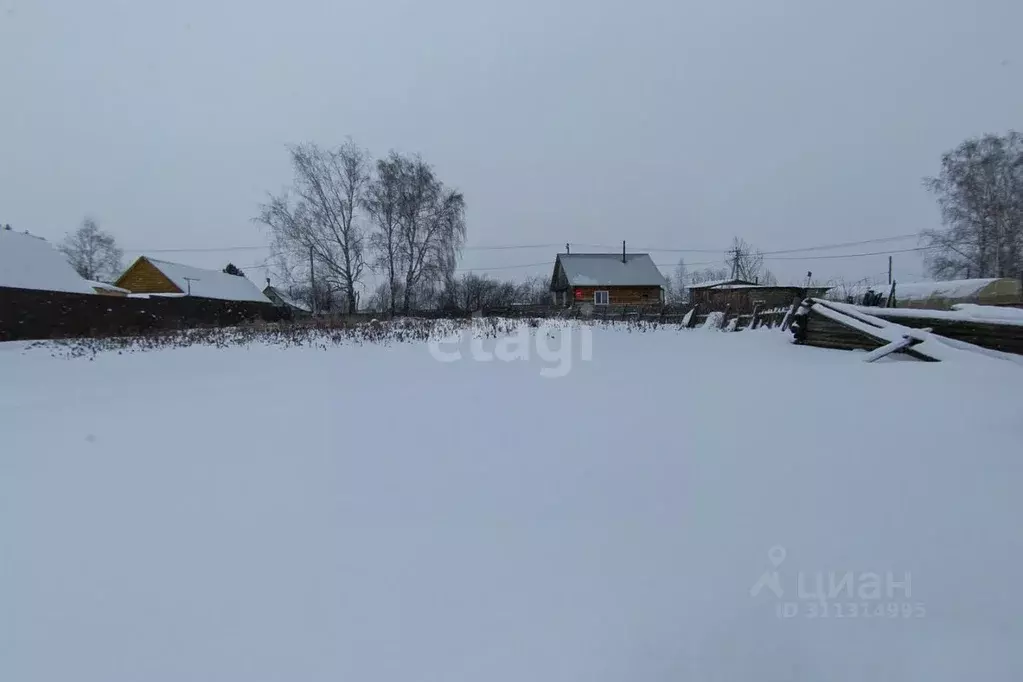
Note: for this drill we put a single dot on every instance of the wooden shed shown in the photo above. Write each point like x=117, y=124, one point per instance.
x=281, y=299
x=607, y=279
x=740, y=296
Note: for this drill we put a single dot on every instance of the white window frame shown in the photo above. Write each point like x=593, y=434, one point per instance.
x=597, y=297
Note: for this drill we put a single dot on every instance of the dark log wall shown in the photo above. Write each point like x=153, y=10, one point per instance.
x=821, y=331
x=635, y=296
x=32, y=314
x=1004, y=337
x=742, y=300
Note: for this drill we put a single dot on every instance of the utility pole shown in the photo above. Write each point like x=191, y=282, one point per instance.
x=568, y=248
x=889, y=270
x=190, y=280
x=623, y=250
x=312, y=283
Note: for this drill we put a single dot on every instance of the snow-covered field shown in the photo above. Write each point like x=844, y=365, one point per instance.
x=371, y=513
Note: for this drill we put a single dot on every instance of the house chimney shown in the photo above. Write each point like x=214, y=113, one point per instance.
x=623, y=250
x=568, y=248
x=268, y=281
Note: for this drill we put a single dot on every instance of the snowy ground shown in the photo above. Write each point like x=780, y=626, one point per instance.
x=371, y=513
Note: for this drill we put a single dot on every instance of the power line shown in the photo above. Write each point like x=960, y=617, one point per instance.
x=500, y=247
x=217, y=250
x=671, y=265
x=508, y=247
x=505, y=267
x=822, y=247
x=850, y=255
x=845, y=255
x=839, y=246
x=768, y=255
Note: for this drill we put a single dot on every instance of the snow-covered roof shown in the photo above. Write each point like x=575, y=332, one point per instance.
x=30, y=262
x=607, y=269
x=106, y=287
x=921, y=291
x=989, y=312
x=287, y=300
x=960, y=313
x=210, y=283
x=720, y=283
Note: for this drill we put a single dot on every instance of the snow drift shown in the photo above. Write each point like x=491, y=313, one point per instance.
x=369, y=513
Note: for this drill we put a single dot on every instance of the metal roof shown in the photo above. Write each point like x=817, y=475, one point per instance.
x=607, y=269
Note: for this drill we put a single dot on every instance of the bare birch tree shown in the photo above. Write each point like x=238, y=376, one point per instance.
x=382, y=202
x=431, y=230
x=318, y=218
x=93, y=254
x=980, y=194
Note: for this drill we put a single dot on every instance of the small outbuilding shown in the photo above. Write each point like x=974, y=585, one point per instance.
x=282, y=300
x=741, y=296
x=104, y=289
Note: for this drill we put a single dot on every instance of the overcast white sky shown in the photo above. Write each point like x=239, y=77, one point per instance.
x=668, y=123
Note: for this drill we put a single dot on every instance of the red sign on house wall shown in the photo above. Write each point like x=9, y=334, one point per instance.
x=578, y=293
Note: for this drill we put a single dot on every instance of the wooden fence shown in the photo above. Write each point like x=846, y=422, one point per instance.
x=37, y=315
x=33, y=314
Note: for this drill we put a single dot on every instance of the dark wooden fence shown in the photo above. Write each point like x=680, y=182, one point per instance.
x=32, y=314
x=690, y=316
x=36, y=315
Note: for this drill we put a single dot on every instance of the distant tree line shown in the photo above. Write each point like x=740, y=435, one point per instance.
x=475, y=292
